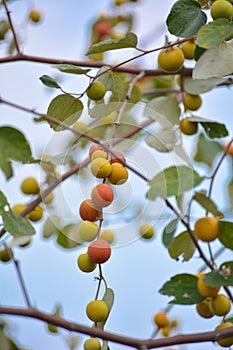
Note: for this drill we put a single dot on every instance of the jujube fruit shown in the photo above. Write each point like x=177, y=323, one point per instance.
x=221, y=9
x=203, y=309
x=171, y=60
x=102, y=195
x=94, y=148
x=103, y=28
x=188, y=127
x=119, y=155
x=97, y=310
x=220, y=305
x=192, y=102
x=161, y=319
x=207, y=228
x=92, y=344
x=118, y=175
x=99, y=251
x=85, y=264
x=36, y=214
x=88, y=211
x=35, y=16
x=107, y=235
x=188, y=49
x=96, y=91
x=30, y=186
x=204, y=289
x=99, y=154
x=146, y=231
x=226, y=342
x=87, y=230
x=101, y=168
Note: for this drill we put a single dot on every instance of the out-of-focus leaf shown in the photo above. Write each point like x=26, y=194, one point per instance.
x=207, y=203
x=206, y=150
x=163, y=140
x=109, y=300
x=182, y=245
x=169, y=232
x=200, y=86
x=226, y=234
x=68, y=237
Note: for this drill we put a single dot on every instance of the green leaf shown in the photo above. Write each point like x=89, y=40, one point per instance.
x=185, y=18
x=207, y=203
x=49, y=82
x=230, y=194
x=213, y=33
x=212, y=128
x=183, y=287
x=129, y=41
x=13, y=223
x=109, y=300
x=215, y=62
x=64, y=108
x=222, y=277
x=173, y=181
x=112, y=82
x=4, y=27
x=13, y=146
x=57, y=313
x=163, y=109
x=200, y=86
x=68, y=236
x=163, y=140
x=51, y=226
x=4, y=340
x=182, y=245
x=169, y=232
x=70, y=68
x=206, y=150
x=226, y=234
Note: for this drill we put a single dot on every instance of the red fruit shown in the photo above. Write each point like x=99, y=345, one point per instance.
x=95, y=148
x=99, y=251
x=103, y=28
x=102, y=195
x=119, y=155
x=88, y=211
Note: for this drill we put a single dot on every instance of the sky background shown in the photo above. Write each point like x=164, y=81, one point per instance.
x=137, y=269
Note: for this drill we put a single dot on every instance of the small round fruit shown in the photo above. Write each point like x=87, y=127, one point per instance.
x=85, y=264
x=107, y=235
x=97, y=310
x=88, y=211
x=87, y=230
x=204, y=289
x=187, y=127
x=207, y=228
x=99, y=154
x=49, y=198
x=226, y=342
x=5, y=255
x=203, y=309
x=99, y=251
x=119, y=155
x=161, y=320
x=30, y=186
x=192, y=102
x=103, y=28
x=119, y=174
x=36, y=214
x=92, y=344
x=101, y=168
x=166, y=331
x=35, y=16
x=94, y=148
x=220, y=305
x=188, y=49
x=96, y=91
x=102, y=195
x=171, y=60
x=221, y=9
x=146, y=231
x=18, y=208
x=230, y=149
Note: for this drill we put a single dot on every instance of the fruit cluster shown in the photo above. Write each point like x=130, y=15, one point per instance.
x=163, y=323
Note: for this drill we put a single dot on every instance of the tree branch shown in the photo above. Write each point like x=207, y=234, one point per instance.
x=11, y=26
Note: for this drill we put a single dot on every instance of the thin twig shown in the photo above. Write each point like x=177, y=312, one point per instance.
x=11, y=26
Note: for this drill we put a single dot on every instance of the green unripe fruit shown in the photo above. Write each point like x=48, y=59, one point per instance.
x=5, y=255
x=85, y=264
x=192, y=102
x=87, y=231
x=220, y=305
x=146, y=231
x=30, y=186
x=101, y=167
x=96, y=91
x=92, y=344
x=187, y=127
x=221, y=9
x=97, y=310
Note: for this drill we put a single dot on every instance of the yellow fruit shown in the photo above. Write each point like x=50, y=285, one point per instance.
x=146, y=231
x=171, y=60
x=96, y=91
x=101, y=167
x=87, y=230
x=205, y=289
x=85, y=264
x=107, y=235
x=161, y=320
x=220, y=305
x=30, y=186
x=5, y=256
x=118, y=175
x=49, y=198
x=97, y=310
x=36, y=214
x=99, y=154
x=18, y=208
x=221, y=9
x=227, y=342
x=203, y=309
x=192, y=102
x=35, y=16
x=188, y=49
x=187, y=127
x=92, y=344
x=207, y=228
x=166, y=331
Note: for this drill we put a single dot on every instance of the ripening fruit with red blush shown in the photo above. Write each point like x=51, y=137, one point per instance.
x=95, y=148
x=88, y=211
x=119, y=155
x=102, y=195
x=99, y=251
x=103, y=28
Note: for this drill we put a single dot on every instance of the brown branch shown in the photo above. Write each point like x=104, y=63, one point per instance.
x=133, y=342
x=11, y=26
